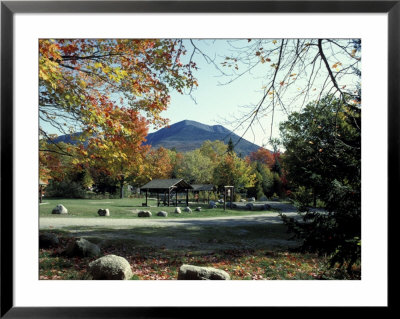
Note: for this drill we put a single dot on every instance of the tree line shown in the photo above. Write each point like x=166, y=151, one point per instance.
x=257, y=175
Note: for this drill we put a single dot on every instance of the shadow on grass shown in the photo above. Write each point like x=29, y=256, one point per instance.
x=193, y=237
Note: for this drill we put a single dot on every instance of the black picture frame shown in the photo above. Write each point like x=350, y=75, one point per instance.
x=9, y=8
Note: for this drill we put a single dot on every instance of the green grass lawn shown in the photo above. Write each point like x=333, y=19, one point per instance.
x=128, y=207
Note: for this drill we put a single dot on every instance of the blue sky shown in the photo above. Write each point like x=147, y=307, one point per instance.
x=220, y=103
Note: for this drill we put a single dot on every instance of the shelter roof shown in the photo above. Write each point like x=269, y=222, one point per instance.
x=166, y=184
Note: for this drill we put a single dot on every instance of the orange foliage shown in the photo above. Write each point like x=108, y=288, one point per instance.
x=264, y=156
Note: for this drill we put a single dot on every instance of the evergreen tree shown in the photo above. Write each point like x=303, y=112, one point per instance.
x=230, y=146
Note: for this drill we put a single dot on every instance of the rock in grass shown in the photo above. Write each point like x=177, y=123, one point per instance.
x=144, y=213
x=190, y=272
x=82, y=248
x=177, y=210
x=47, y=240
x=59, y=209
x=258, y=207
x=188, y=209
x=162, y=214
x=198, y=209
x=103, y=212
x=110, y=267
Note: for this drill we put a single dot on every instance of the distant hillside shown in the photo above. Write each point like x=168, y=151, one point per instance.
x=189, y=135
x=68, y=138
x=186, y=136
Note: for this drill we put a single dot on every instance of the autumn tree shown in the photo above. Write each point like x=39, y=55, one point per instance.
x=64, y=175
x=158, y=164
x=118, y=155
x=110, y=91
x=262, y=155
x=233, y=171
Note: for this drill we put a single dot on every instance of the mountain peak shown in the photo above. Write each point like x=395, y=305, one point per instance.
x=188, y=135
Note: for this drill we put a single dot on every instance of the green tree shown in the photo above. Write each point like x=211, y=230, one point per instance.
x=323, y=152
x=196, y=168
x=213, y=150
x=264, y=180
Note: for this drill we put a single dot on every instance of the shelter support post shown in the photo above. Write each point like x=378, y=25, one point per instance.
x=225, y=199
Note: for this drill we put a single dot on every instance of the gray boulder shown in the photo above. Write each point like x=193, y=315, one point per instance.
x=82, y=248
x=188, y=209
x=257, y=206
x=162, y=214
x=252, y=199
x=47, y=240
x=231, y=205
x=177, y=210
x=190, y=272
x=198, y=209
x=103, y=212
x=144, y=213
x=110, y=267
x=59, y=209
x=212, y=204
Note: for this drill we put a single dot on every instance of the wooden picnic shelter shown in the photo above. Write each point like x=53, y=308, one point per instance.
x=167, y=187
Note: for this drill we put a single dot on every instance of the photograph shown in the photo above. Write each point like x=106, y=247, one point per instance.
x=199, y=158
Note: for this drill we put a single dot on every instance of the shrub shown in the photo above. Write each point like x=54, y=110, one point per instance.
x=213, y=196
x=65, y=189
x=237, y=197
x=274, y=197
x=302, y=198
x=260, y=194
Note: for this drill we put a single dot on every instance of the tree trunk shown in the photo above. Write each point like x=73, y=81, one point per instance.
x=121, y=187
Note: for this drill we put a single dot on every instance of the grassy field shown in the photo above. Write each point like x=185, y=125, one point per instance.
x=247, y=252
x=127, y=208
